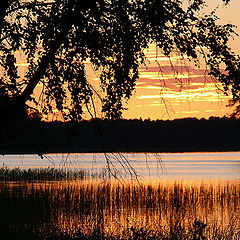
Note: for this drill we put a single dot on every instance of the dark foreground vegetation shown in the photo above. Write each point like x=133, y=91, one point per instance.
x=190, y=134
x=48, y=174
x=106, y=210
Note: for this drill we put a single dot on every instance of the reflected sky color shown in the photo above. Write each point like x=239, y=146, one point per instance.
x=165, y=166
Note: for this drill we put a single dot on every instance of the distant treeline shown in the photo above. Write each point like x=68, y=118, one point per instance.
x=189, y=134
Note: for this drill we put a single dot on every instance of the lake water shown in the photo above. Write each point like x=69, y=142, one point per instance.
x=168, y=209
x=173, y=166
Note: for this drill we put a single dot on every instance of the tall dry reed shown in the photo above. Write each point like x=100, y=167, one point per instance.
x=106, y=210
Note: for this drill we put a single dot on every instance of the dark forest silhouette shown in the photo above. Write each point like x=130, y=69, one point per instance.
x=189, y=134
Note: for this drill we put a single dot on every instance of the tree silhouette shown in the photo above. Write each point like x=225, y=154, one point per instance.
x=57, y=37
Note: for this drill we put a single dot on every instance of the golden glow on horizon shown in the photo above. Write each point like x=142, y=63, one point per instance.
x=169, y=94
x=175, y=91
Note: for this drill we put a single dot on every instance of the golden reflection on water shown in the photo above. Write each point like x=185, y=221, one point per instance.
x=115, y=207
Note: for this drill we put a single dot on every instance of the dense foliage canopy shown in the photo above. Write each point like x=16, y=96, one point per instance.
x=57, y=37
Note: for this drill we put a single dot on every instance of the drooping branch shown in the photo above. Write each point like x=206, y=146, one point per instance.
x=65, y=26
x=112, y=35
x=43, y=65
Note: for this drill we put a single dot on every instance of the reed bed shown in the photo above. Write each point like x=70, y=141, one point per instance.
x=48, y=174
x=96, y=209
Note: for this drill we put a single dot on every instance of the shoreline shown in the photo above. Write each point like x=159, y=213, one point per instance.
x=123, y=152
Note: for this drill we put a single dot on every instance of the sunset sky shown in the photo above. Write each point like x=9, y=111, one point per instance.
x=188, y=92
x=175, y=92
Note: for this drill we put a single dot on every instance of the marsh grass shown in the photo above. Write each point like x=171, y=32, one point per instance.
x=97, y=209
x=48, y=174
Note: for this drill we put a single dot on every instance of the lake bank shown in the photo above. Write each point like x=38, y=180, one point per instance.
x=181, y=135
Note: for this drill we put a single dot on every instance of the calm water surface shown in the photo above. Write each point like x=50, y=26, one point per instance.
x=175, y=166
x=114, y=209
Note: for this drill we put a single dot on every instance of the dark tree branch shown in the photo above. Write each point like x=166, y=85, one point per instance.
x=43, y=65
